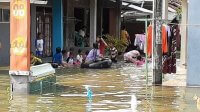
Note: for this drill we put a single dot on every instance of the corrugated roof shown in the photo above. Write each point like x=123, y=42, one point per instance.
x=146, y=6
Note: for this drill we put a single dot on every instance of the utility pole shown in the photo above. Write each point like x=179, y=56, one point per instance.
x=157, y=43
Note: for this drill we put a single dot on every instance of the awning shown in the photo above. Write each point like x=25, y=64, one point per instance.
x=32, y=1
x=145, y=7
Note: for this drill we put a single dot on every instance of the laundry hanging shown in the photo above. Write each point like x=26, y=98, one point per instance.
x=149, y=40
x=140, y=41
x=169, y=59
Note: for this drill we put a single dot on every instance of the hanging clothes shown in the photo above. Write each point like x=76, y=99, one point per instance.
x=169, y=59
x=164, y=40
x=140, y=41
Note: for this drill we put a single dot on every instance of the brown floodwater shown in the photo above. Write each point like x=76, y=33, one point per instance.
x=119, y=89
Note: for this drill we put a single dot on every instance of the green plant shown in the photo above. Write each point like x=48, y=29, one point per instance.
x=118, y=43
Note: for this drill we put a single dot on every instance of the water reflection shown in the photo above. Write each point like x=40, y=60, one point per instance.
x=121, y=89
x=18, y=103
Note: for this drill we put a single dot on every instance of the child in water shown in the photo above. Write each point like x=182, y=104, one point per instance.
x=58, y=58
x=39, y=44
x=35, y=60
x=79, y=57
x=70, y=57
x=113, y=53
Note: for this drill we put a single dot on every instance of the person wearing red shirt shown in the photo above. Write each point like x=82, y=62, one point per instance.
x=102, y=45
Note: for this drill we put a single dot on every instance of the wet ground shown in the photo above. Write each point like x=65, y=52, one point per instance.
x=119, y=89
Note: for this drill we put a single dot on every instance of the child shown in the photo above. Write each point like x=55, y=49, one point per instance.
x=113, y=53
x=64, y=54
x=79, y=57
x=39, y=44
x=58, y=58
x=140, y=61
x=35, y=60
x=84, y=57
x=70, y=56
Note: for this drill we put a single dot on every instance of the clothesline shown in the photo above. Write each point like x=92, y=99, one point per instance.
x=164, y=21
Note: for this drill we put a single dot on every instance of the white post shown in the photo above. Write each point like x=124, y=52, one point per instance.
x=165, y=10
x=184, y=32
x=93, y=21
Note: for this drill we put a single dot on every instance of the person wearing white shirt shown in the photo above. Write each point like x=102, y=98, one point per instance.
x=131, y=56
x=39, y=45
x=79, y=57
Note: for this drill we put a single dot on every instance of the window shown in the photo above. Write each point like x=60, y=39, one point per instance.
x=4, y=15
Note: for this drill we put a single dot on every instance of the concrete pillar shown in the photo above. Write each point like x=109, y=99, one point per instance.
x=70, y=25
x=118, y=23
x=93, y=21
x=57, y=24
x=184, y=32
x=33, y=27
x=19, y=84
x=193, y=44
x=112, y=22
x=99, y=17
x=165, y=9
x=115, y=20
x=19, y=46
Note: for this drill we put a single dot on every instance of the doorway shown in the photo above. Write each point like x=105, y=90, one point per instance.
x=44, y=26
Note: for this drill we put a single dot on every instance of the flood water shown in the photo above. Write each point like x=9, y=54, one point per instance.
x=119, y=89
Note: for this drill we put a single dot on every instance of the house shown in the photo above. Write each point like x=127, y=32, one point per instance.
x=59, y=20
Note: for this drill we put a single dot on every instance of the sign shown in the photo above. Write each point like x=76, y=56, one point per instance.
x=19, y=37
x=19, y=9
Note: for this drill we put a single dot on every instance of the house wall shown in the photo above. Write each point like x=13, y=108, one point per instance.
x=5, y=41
x=5, y=36
x=193, y=47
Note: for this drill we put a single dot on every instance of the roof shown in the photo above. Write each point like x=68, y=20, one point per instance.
x=32, y=1
x=141, y=8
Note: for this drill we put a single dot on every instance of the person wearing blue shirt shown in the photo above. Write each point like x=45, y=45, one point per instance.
x=58, y=58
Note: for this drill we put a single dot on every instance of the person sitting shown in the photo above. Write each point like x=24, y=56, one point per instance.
x=85, y=56
x=101, y=45
x=131, y=56
x=140, y=61
x=70, y=56
x=79, y=57
x=113, y=53
x=94, y=55
x=58, y=58
x=35, y=60
x=64, y=54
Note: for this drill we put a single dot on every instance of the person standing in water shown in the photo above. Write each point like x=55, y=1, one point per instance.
x=125, y=36
x=39, y=45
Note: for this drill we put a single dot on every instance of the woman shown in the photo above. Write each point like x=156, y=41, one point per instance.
x=125, y=36
x=102, y=45
x=131, y=56
x=93, y=55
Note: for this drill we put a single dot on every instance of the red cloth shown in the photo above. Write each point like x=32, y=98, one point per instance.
x=102, y=47
x=164, y=40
